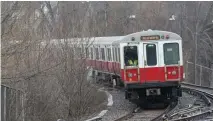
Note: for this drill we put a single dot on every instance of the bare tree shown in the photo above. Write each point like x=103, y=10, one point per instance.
x=196, y=28
x=45, y=72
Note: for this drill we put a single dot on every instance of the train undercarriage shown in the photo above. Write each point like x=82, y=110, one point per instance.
x=158, y=92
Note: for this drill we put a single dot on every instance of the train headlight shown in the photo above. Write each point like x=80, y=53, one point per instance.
x=174, y=72
x=184, y=75
x=129, y=75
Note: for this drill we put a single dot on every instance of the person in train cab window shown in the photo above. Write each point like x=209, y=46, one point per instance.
x=132, y=62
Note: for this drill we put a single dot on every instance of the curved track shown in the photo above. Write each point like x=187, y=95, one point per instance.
x=200, y=111
x=145, y=115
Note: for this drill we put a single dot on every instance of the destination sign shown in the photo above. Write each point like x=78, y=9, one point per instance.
x=154, y=37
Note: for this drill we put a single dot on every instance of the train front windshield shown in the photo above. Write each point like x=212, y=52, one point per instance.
x=131, y=55
x=171, y=53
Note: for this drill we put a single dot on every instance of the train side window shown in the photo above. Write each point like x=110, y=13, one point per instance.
x=97, y=53
x=113, y=54
x=106, y=55
x=151, y=54
x=78, y=52
x=87, y=52
x=171, y=53
x=91, y=52
x=118, y=54
x=109, y=54
x=82, y=51
x=102, y=53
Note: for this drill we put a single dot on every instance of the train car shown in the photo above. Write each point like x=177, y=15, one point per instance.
x=159, y=63
x=159, y=70
x=104, y=57
x=149, y=64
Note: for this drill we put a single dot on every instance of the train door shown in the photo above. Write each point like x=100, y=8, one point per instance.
x=172, y=66
x=131, y=63
x=150, y=72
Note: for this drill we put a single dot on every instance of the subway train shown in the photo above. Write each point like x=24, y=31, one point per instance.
x=148, y=64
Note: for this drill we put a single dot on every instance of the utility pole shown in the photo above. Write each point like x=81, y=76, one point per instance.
x=195, y=45
x=132, y=19
x=105, y=17
x=181, y=21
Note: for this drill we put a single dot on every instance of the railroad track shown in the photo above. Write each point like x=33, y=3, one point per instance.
x=200, y=109
x=139, y=114
x=197, y=111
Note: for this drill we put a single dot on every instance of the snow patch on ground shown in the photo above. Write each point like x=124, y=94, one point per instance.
x=110, y=103
x=110, y=100
x=98, y=116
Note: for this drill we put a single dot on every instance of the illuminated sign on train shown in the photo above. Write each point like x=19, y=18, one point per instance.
x=154, y=37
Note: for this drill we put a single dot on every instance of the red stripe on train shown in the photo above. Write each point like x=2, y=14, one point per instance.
x=152, y=74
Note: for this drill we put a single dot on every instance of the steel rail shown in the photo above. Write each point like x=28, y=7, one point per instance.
x=198, y=93
x=129, y=115
x=207, y=97
x=199, y=115
x=193, y=85
x=163, y=116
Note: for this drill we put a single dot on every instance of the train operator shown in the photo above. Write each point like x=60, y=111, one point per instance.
x=132, y=62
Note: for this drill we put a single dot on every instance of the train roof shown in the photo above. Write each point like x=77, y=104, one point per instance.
x=121, y=39
x=137, y=36
x=106, y=40
x=90, y=40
